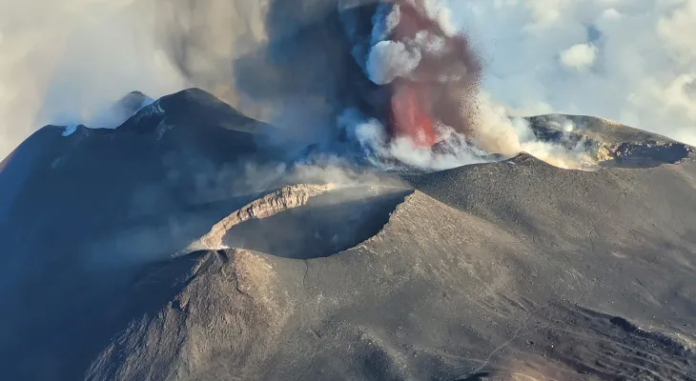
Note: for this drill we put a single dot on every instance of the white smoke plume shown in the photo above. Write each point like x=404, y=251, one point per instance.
x=401, y=154
x=391, y=59
x=509, y=136
x=68, y=61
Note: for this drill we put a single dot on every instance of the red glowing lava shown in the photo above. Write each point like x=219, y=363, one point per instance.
x=410, y=100
x=409, y=116
x=440, y=87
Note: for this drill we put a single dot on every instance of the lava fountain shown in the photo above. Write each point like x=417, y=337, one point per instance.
x=428, y=69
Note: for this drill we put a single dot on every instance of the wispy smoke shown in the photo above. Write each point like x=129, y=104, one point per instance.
x=512, y=135
x=65, y=62
x=68, y=61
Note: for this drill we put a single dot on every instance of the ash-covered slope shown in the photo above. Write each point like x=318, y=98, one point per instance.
x=496, y=271
x=499, y=271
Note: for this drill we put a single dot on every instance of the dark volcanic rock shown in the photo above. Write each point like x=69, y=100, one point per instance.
x=609, y=143
x=495, y=271
x=128, y=106
x=80, y=213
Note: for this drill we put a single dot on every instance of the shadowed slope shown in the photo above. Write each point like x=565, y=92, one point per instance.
x=68, y=205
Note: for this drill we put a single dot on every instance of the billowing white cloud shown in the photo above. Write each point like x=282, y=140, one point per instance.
x=65, y=61
x=633, y=61
x=391, y=59
x=579, y=56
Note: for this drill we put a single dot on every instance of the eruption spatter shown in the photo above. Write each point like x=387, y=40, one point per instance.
x=409, y=117
x=428, y=69
x=428, y=111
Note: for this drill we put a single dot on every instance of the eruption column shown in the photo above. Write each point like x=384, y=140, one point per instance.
x=409, y=114
x=426, y=73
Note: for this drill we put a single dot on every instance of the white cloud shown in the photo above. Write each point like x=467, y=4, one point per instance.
x=579, y=56
x=65, y=61
x=678, y=30
x=638, y=58
x=389, y=60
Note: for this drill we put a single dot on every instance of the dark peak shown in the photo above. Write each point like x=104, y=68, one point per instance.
x=525, y=159
x=196, y=99
x=135, y=94
x=145, y=113
x=198, y=107
x=120, y=111
x=194, y=94
x=134, y=101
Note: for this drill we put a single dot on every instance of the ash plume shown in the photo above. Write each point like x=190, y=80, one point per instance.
x=303, y=65
x=324, y=71
x=413, y=46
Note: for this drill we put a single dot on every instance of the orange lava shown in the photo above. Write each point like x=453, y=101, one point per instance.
x=409, y=116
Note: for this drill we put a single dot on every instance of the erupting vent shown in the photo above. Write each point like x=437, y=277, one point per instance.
x=409, y=116
x=409, y=48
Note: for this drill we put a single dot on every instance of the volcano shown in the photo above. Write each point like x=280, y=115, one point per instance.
x=186, y=245
x=195, y=242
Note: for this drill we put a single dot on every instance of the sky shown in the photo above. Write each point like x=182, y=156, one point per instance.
x=64, y=61
x=632, y=61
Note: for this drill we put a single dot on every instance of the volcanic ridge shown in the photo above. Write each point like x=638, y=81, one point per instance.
x=184, y=245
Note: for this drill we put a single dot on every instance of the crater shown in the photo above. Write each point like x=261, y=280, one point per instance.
x=623, y=324
x=304, y=222
x=644, y=154
x=610, y=144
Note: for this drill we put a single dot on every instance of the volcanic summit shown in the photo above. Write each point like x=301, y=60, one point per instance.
x=157, y=251
x=408, y=240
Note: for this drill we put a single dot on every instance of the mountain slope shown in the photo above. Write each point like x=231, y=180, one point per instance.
x=493, y=271
x=486, y=273
x=79, y=214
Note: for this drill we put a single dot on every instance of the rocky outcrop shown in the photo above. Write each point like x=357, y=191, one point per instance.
x=609, y=143
x=643, y=153
x=286, y=198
